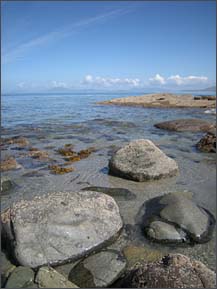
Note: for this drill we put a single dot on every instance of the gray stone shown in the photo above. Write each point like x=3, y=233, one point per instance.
x=186, y=214
x=21, y=277
x=6, y=184
x=65, y=269
x=50, y=278
x=173, y=271
x=6, y=268
x=99, y=270
x=140, y=161
x=61, y=227
x=191, y=124
x=162, y=231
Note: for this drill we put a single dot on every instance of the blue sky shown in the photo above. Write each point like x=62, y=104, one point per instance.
x=107, y=45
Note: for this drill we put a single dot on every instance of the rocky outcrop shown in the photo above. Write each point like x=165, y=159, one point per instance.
x=140, y=161
x=99, y=270
x=163, y=100
x=191, y=124
x=208, y=143
x=60, y=227
x=176, y=218
x=172, y=271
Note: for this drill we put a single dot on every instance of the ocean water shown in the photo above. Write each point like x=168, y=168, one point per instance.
x=49, y=121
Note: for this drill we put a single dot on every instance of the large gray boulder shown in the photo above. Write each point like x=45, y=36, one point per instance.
x=140, y=161
x=191, y=124
x=59, y=227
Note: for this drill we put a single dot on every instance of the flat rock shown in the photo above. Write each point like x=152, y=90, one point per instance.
x=207, y=143
x=191, y=124
x=60, y=227
x=50, y=278
x=21, y=277
x=99, y=270
x=162, y=231
x=172, y=271
x=140, y=161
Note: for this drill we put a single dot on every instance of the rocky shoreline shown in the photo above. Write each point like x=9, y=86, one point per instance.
x=69, y=239
x=164, y=100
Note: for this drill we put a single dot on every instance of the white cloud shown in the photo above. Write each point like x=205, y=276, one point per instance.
x=58, y=84
x=187, y=80
x=110, y=81
x=157, y=79
x=21, y=84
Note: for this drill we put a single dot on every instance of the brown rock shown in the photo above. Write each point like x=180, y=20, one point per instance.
x=9, y=164
x=180, y=125
x=172, y=271
x=207, y=143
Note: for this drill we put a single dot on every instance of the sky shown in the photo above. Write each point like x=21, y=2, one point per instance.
x=63, y=45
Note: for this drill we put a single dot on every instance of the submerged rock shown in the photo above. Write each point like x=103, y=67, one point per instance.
x=6, y=185
x=60, y=227
x=208, y=143
x=47, y=277
x=191, y=124
x=140, y=161
x=176, y=218
x=60, y=170
x=172, y=271
x=117, y=193
x=21, y=277
x=9, y=163
x=99, y=270
x=21, y=141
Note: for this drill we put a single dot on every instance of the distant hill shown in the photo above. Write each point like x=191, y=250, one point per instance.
x=211, y=88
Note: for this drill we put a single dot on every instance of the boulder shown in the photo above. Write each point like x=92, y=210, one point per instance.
x=21, y=277
x=60, y=227
x=140, y=161
x=99, y=270
x=47, y=277
x=207, y=143
x=6, y=184
x=172, y=271
x=176, y=218
x=191, y=124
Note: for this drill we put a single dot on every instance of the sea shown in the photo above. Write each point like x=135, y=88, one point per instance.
x=51, y=120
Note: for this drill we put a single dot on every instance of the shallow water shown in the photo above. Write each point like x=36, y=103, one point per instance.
x=50, y=121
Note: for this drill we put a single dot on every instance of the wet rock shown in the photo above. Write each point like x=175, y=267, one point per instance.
x=6, y=268
x=117, y=193
x=61, y=227
x=6, y=185
x=65, y=269
x=136, y=254
x=191, y=124
x=99, y=270
x=175, y=217
x=208, y=143
x=140, y=161
x=21, y=277
x=50, y=278
x=9, y=163
x=162, y=231
x=173, y=271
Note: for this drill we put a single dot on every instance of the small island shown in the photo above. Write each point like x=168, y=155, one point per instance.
x=165, y=100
